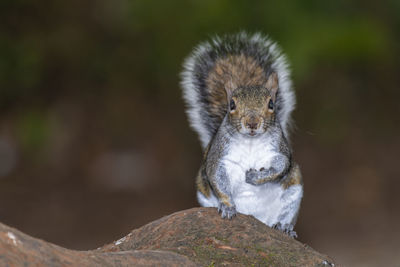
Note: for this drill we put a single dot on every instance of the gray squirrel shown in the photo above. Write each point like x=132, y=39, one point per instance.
x=239, y=98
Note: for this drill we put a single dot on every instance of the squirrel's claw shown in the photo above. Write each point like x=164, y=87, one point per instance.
x=227, y=212
x=292, y=234
x=252, y=176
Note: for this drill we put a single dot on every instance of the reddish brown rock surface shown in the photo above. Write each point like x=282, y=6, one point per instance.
x=187, y=238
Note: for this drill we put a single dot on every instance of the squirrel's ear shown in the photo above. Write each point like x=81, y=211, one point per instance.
x=228, y=92
x=229, y=87
x=272, y=85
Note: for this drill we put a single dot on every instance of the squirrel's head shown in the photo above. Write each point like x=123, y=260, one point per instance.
x=251, y=109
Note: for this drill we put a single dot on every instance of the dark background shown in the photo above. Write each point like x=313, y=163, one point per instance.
x=94, y=140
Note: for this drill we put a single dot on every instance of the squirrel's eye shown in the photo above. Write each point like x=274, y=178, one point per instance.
x=271, y=105
x=232, y=105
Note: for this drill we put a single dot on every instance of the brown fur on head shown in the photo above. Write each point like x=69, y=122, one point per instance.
x=252, y=108
x=228, y=74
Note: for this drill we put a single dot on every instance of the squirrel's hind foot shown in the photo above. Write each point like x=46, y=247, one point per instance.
x=287, y=229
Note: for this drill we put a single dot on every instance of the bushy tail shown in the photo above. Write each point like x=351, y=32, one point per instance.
x=225, y=63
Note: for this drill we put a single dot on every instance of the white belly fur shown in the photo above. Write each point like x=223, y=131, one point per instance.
x=270, y=202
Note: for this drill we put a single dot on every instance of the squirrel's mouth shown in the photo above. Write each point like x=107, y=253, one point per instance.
x=251, y=132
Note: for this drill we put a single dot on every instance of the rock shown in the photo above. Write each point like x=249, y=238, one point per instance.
x=205, y=238
x=18, y=249
x=194, y=237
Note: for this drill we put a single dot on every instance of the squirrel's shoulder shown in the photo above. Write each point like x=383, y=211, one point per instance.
x=218, y=66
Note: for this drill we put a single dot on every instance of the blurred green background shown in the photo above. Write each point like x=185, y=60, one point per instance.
x=94, y=140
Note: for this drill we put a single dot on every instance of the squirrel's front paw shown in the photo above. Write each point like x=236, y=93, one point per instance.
x=226, y=212
x=252, y=176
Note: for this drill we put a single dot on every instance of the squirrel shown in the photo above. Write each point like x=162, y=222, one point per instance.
x=239, y=99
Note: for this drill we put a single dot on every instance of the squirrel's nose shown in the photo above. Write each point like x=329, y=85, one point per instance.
x=252, y=124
